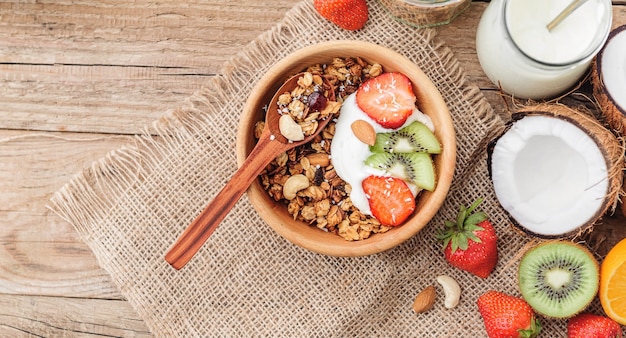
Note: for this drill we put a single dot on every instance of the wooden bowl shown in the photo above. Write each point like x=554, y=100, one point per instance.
x=429, y=101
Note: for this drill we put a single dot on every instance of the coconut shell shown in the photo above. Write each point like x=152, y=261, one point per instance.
x=607, y=142
x=615, y=115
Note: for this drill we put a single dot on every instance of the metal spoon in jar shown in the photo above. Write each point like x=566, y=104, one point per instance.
x=271, y=144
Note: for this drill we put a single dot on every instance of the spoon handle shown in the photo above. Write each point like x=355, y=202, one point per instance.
x=208, y=220
x=564, y=13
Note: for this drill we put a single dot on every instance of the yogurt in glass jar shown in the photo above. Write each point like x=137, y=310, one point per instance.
x=521, y=56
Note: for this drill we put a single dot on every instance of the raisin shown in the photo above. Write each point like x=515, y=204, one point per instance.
x=317, y=101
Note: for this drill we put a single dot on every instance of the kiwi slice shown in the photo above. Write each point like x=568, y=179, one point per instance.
x=416, y=137
x=416, y=168
x=558, y=279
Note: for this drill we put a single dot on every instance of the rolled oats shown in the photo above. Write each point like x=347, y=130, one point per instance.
x=325, y=201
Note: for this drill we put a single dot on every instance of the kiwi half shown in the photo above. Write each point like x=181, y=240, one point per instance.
x=415, y=137
x=416, y=168
x=558, y=279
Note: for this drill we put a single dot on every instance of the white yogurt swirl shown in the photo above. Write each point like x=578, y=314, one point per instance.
x=348, y=153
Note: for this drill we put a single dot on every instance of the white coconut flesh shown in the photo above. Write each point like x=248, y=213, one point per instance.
x=614, y=68
x=549, y=175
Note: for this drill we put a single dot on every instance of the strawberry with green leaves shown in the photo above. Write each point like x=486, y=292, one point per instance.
x=506, y=316
x=388, y=99
x=347, y=14
x=470, y=243
x=390, y=199
x=587, y=325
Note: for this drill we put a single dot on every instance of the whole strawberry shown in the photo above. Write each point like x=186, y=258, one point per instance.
x=470, y=243
x=506, y=316
x=347, y=14
x=587, y=325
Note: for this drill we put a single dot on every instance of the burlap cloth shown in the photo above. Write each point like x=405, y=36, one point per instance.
x=247, y=281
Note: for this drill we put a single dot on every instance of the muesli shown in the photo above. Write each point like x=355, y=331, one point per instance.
x=304, y=178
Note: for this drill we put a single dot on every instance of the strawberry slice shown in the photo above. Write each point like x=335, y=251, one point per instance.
x=390, y=199
x=388, y=99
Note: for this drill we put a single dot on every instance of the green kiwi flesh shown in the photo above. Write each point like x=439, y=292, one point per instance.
x=416, y=168
x=558, y=279
x=416, y=137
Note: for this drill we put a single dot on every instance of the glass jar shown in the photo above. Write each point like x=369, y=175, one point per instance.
x=522, y=57
x=425, y=13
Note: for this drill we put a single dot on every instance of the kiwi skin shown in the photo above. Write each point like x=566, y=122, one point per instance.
x=415, y=137
x=555, y=248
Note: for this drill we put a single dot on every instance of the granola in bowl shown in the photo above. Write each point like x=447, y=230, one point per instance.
x=325, y=201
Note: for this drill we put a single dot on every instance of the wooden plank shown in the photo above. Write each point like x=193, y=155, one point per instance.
x=132, y=33
x=36, y=316
x=40, y=254
x=97, y=99
x=461, y=36
x=115, y=66
x=53, y=269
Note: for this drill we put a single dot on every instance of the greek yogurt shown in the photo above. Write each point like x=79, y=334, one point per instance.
x=348, y=153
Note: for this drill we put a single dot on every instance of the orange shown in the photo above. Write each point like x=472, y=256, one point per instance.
x=613, y=283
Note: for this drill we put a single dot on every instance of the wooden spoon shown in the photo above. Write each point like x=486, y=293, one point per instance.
x=271, y=144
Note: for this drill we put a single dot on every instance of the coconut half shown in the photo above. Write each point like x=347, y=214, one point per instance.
x=608, y=77
x=555, y=171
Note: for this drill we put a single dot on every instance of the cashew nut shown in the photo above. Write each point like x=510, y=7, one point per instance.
x=451, y=289
x=294, y=184
x=290, y=129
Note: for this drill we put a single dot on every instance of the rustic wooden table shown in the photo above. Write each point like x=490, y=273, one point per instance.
x=78, y=79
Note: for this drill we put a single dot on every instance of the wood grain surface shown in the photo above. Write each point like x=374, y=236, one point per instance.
x=78, y=79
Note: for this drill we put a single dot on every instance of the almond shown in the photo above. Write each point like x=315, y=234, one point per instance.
x=321, y=159
x=364, y=132
x=424, y=300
